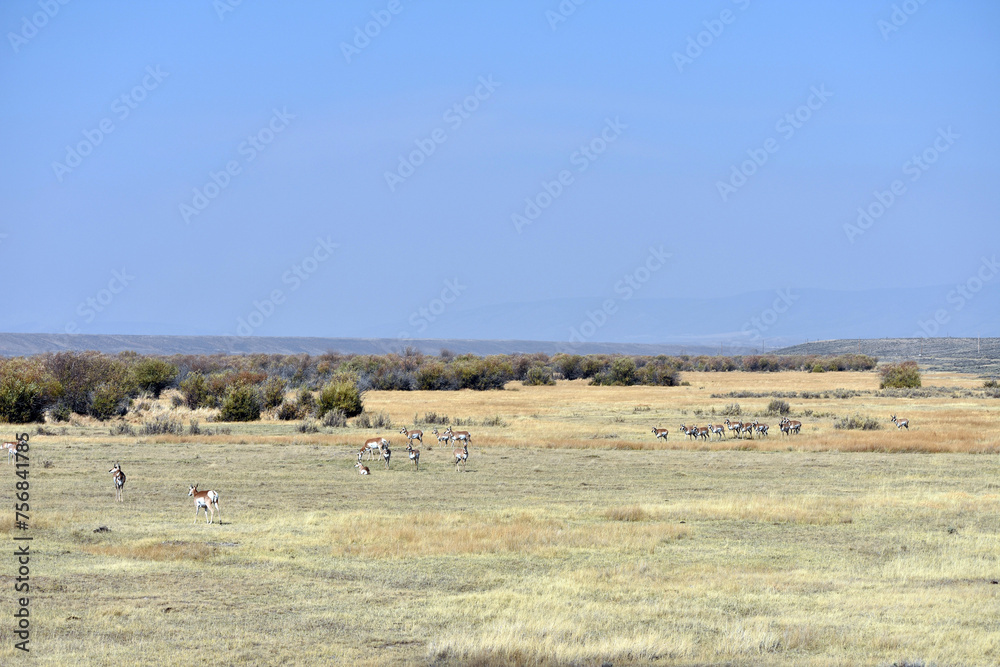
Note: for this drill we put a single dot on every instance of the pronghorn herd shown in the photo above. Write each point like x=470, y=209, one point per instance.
x=381, y=445
x=743, y=429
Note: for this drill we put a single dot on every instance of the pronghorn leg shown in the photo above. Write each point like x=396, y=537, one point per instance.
x=220, y=513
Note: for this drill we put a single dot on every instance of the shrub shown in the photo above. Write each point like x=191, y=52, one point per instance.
x=194, y=428
x=154, y=375
x=194, y=390
x=289, y=411
x=856, y=422
x=121, y=427
x=902, y=375
x=272, y=393
x=340, y=395
x=162, y=425
x=308, y=426
x=818, y=368
x=307, y=402
x=108, y=400
x=991, y=384
x=20, y=402
x=368, y=420
x=778, y=407
x=539, y=376
x=240, y=405
x=335, y=419
x=60, y=412
x=732, y=410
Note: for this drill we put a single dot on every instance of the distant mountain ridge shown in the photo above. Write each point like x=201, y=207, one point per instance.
x=22, y=344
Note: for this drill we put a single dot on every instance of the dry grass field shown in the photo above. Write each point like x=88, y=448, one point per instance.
x=573, y=538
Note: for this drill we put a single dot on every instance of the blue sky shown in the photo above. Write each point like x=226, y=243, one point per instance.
x=267, y=168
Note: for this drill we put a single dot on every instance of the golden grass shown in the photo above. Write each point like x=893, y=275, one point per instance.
x=556, y=547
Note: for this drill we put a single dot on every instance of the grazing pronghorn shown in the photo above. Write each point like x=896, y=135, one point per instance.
x=462, y=456
x=119, y=478
x=362, y=468
x=414, y=455
x=735, y=426
x=689, y=432
x=660, y=433
x=717, y=429
x=442, y=437
x=373, y=445
x=413, y=435
x=463, y=436
x=901, y=423
x=386, y=454
x=207, y=499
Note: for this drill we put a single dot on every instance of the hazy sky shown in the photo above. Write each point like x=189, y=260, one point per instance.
x=332, y=168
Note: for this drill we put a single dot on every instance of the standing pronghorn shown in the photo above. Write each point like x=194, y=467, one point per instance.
x=11, y=448
x=689, y=432
x=717, y=429
x=362, y=469
x=464, y=436
x=207, y=499
x=660, y=433
x=462, y=456
x=119, y=478
x=442, y=437
x=385, y=452
x=413, y=435
x=789, y=426
x=747, y=428
x=414, y=455
x=735, y=426
x=760, y=428
x=373, y=445
x=701, y=432
x=901, y=423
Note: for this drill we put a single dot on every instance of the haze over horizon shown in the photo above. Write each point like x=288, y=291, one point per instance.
x=634, y=172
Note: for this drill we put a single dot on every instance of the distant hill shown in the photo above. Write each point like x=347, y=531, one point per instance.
x=18, y=344
x=968, y=355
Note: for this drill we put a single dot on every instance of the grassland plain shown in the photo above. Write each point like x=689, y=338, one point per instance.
x=574, y=537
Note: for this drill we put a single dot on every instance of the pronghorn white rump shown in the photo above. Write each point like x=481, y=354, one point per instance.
x=901, y=423
x=463, y=436
x=660, y=433
x=412, y=435
x=207, y=499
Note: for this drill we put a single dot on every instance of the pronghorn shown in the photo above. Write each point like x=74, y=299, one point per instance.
x=442, y=437
x=901, y=423
x=735, y=426
x=747, y=428
x=784, y=427
x=689, y=432
x=761, y=428
x=464, y=436
x=793, y=426
x=414, y=455
x=660, y=433
x=362, y=469
x=119, y=478
x=717, y=429
x=11, y=448
x=462, y=456
x=413, y=435
x=207, y=499
x=373, y=445
x=701, y=432
x=386, y=453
